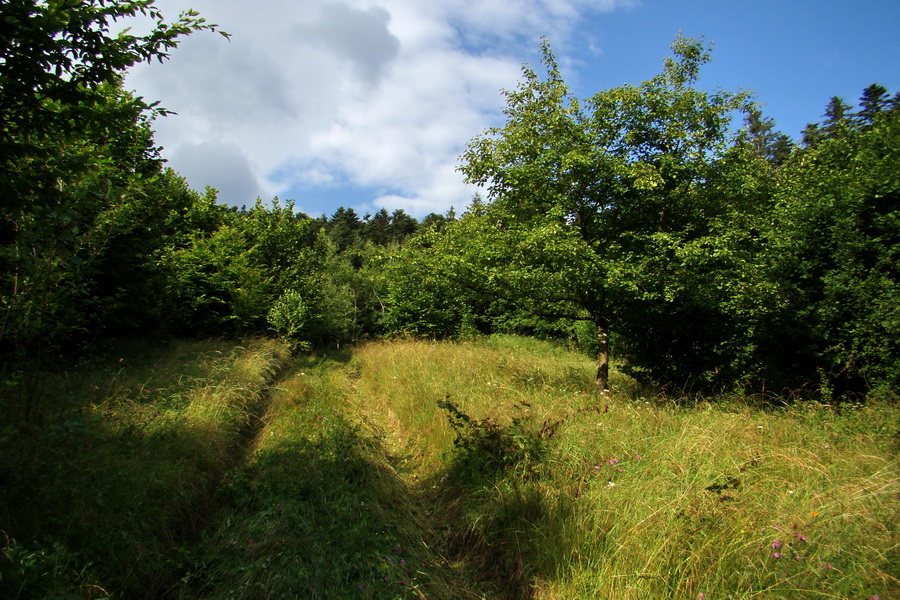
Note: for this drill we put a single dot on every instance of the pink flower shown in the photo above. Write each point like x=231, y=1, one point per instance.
x=701, y=596
x=776, y=544
x=777, y=555
x=612, y=461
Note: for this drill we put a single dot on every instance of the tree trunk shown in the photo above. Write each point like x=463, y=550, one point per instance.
x=603, y=357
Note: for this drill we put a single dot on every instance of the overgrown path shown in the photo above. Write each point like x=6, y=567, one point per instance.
x=319, y=507
x=440, y=471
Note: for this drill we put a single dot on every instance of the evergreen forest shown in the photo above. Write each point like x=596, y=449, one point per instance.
x=666, y=235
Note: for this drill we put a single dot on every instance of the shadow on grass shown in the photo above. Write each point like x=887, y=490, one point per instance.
x=102, y=494
x=91, y=510
x=316, y=512
x=496, y=515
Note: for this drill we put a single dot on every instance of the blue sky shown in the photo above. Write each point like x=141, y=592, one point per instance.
x=369, y=103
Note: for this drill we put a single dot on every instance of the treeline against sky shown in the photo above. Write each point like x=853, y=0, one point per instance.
x=712, y=260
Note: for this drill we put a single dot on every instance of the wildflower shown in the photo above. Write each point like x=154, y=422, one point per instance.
x=596, y=467
x=638, y=457
x=612, y=461
x=610, y=484
x=797, y=557
x=701, y=596
x=814, y=514
x=776, y=544
x=777, y=555
x=828, y=566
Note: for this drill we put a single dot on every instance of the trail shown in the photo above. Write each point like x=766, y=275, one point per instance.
x=315, y=505
x=198, y=519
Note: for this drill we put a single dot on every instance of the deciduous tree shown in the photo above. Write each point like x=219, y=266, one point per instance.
x=589, y=203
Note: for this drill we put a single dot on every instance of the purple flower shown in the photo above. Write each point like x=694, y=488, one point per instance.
x=776, y=544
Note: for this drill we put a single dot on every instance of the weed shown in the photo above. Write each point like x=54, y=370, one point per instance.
x=484, y=447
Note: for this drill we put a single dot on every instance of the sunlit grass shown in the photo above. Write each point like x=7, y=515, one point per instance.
x=645, y=497
x=397, y=386
x=316, y=510
x=194, y=472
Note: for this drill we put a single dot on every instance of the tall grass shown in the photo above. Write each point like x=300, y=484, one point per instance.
x=116, y=475
x=485, y=469
x=397, y=387
x=643, y=497
x=317, y=511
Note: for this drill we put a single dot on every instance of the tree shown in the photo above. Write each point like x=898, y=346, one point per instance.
x=873, y=102
x=833, y=253
x=378, y=228
x=589, y=206
x=772, y=145
x=838, y=121
x=344, y=228
x=55, y=55
x=402, y=226
x=77, y=163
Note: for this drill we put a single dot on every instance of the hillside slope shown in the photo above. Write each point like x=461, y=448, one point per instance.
x=487, y=469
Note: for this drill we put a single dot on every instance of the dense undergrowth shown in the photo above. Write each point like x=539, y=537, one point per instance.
x=487, y=469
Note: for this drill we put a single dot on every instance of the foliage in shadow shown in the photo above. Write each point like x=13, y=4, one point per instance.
x=496, y=515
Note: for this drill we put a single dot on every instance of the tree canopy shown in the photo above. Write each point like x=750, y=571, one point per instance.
x=668, y=220
x=590, y=202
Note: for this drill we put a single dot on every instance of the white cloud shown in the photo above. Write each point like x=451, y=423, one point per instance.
x=378, y=95
x=226, y=168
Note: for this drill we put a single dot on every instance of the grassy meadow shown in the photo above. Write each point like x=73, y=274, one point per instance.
x=487, y=469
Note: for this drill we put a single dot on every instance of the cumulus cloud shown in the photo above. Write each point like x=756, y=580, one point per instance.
x=359, y=35
x=222, y=166
x=378, y=97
